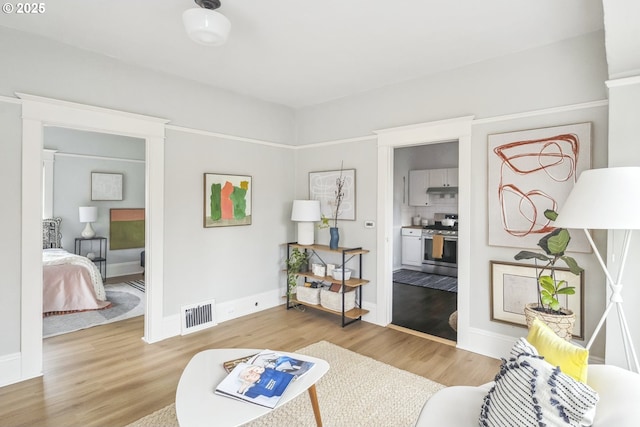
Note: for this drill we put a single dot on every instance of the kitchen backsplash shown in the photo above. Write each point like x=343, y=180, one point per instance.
x=448, y=203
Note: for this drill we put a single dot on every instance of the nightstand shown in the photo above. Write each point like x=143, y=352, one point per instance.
x=86, y=246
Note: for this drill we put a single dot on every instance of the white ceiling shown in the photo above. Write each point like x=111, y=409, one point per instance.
x=302, y=52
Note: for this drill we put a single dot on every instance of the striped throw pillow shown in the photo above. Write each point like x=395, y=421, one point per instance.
x=530, y=392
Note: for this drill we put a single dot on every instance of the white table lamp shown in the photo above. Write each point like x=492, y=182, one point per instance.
x=305, y=213
x=88, y=214
x=607, y=199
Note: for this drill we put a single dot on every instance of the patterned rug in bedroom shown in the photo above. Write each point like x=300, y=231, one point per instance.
x=127, y=300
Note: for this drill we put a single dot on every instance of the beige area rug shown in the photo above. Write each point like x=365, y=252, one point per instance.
x=357, y=391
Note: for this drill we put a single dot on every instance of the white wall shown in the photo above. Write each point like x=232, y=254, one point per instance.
x=46, y=68
x=80, y=153
x=500, y=88
x=225, y=263
x=624, y=150
x=565, y=73
x=361, y=156
x=483, y=253
x=197, y=264
x=10, y=155
x=51, y=69
x=623, y=44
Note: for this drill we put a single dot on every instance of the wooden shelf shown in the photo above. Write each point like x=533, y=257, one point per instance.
x=325, y=248
x=354, y=282
x=354, y=313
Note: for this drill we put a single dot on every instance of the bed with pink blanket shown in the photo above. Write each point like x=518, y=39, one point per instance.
x=71, y=283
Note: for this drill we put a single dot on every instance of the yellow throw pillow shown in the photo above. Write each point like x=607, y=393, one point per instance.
x=572, y=359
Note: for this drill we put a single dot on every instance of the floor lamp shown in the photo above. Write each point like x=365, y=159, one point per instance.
x=607, y=199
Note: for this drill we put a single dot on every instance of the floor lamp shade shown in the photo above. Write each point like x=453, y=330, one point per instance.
x=305, y=213
x=607, y=199
x=88, y=214
x=603, y=199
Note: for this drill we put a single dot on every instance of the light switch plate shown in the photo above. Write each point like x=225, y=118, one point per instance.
x=369, y=224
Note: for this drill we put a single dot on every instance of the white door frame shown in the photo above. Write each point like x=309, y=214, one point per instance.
x=419, y=134
x=38, y=112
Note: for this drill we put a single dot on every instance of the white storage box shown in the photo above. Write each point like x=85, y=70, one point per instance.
x=318, y=269
x=308, y=295
x=333, y=300
x=339, y=272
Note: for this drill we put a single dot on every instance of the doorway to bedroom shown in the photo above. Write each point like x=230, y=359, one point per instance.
x=105, y=173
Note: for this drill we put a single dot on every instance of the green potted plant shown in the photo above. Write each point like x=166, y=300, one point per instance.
x=297, y=259
x=548, y=307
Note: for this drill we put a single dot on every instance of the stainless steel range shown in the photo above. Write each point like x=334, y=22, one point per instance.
x=440, y=248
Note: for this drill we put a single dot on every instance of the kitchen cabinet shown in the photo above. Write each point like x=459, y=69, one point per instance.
x=421, y=179
x=418, y=184
x=443, y=177
x=412, y=247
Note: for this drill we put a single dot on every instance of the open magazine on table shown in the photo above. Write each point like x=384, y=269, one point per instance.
x=261, y=378
x=256, y=384
x=281, y=362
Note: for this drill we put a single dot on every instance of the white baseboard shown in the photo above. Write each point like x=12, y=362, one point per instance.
x=10, y=369
x=372, y=315
x=124, y=269
x=171, y=325
x=487, y=343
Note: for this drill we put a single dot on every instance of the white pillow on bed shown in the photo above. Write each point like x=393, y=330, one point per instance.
x=55, y=251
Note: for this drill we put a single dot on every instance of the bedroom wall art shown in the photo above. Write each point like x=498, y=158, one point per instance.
x=126, y=228
x=531, y=171
x=227, y=200
x=322, y=186
x=106, y=186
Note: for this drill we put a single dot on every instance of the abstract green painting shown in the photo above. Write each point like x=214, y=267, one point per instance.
x=227, y=200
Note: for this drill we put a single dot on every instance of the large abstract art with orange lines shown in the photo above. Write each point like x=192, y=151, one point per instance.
x=227, y=200
x=531, y=171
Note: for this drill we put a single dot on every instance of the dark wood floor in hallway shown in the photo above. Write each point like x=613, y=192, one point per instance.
x=424, y=310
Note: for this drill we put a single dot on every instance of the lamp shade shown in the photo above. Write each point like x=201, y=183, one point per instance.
x=88, y=213
x=305, y=210
x=605, y=199
x=206, y=26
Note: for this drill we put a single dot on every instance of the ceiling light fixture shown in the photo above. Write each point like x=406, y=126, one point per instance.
x=206, y=26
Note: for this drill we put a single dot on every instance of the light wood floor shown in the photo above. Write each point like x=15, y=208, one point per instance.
x=107, y=376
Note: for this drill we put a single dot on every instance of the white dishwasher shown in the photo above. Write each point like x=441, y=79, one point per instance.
x=412, y=246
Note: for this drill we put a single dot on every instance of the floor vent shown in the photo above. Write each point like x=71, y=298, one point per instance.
x=197, y=317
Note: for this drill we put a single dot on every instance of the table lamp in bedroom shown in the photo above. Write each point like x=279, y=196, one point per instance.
x=88, y=214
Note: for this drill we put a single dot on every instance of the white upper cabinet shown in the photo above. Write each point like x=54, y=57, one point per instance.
x=418, y=184
x=420, y=180
x=443, y=177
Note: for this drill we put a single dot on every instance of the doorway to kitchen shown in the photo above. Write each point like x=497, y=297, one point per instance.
x=428, y=304
x=425, y=284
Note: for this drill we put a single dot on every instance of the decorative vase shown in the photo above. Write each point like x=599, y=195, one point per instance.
x=561, y=324
x=335, y=237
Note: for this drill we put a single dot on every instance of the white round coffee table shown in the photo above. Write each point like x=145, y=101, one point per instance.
x=197, y=404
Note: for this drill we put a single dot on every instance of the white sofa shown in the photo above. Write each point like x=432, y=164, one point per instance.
x=619, y=404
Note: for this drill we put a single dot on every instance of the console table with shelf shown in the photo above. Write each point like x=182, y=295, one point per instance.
x=100, y=258
x=349, y=316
